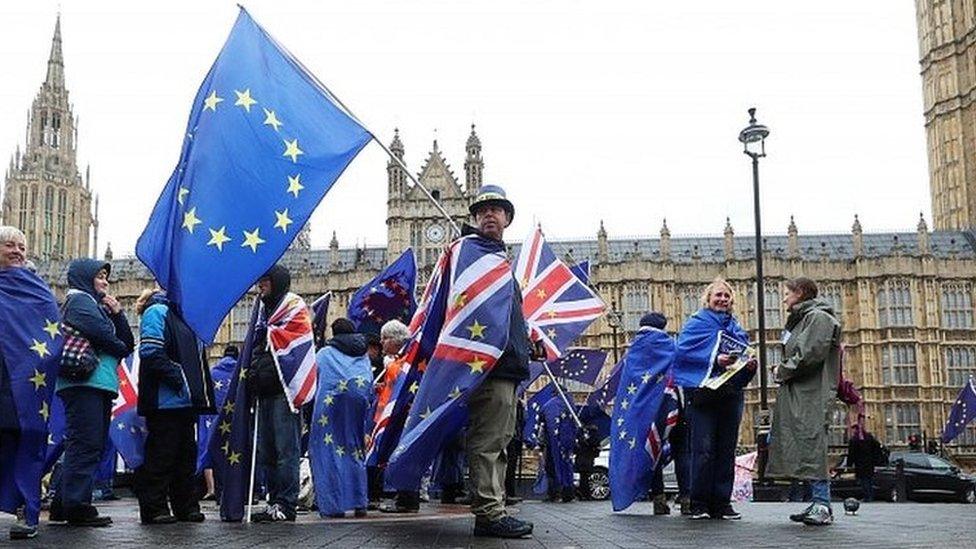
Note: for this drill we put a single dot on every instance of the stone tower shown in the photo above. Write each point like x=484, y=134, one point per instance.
x=44, y=193
x=412, y=220
x=947, y=53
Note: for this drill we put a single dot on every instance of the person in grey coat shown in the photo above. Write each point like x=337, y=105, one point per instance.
x=807, y=387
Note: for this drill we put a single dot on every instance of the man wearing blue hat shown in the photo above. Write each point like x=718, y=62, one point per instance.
x=492, y=408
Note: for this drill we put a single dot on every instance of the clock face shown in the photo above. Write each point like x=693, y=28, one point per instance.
x=435, y=233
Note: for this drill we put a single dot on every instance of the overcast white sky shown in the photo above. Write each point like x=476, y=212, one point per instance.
x=622, y=111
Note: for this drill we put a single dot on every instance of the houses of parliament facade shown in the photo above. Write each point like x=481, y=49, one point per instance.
x=905, y=299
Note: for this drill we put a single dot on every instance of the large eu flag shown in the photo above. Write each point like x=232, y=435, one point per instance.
x=635, y=440
x=390, y=295
x=31, y=348
x=963, y=411
x=264, y=143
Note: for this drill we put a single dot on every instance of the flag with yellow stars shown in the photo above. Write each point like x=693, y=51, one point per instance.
x=559, y=430
x=579, y=364
x=534, y=423
x=30, y=349
x=221, y=373
x=389, y=296
x=963, y=411
x=336, y=446
x=264, y=143
x=644, y=410
x=459, y=332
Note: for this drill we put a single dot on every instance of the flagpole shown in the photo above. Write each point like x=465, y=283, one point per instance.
x=335, y=98
x=254, y=453
x=572, y=410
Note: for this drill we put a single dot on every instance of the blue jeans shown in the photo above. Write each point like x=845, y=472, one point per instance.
x=714, y=430
x=87, y=412
x=279, y=445
x=820, y=490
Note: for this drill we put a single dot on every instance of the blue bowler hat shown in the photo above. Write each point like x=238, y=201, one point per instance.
x=492, y=194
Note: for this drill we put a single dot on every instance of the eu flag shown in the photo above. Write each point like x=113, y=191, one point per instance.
x=582, y=365
x=31, y=350
x=265, y=141
x=320, y=312
x=532, y=429
x=388, y=296
x=604, y=395
x=221, y=373
x=963, y=411
x=635, y=441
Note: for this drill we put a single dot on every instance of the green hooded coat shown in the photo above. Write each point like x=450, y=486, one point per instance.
x=808, y=387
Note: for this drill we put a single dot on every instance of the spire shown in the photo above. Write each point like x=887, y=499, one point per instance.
x=923, y=235
x=603, y=249
x=856, y=228
x=396, y=146
x=108, y=252
x=793, y=243
x=55, y=63
x=729, y=240
x=474, y=166
x=334, y=250
x=858, y=237
x=665, y=243
x=395, y=176
x=922, y=226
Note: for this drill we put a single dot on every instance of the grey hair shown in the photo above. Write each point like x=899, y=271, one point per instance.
x=395, y=330
x=9, y=232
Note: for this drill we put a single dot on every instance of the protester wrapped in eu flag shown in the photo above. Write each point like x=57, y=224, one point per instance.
x=336, y=443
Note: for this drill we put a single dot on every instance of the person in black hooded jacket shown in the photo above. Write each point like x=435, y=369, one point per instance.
x=279, y=428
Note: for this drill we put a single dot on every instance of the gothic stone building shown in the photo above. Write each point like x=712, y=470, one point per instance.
x=905, y=298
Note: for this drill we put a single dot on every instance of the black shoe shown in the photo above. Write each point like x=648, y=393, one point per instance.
x=513, y=500
x=273, y=513
x=163, y=518
x=90, y=522
x=192, y=516
x=728, y=513
x=798, y=517
x=21, y=530
x=698, y=513
x=505, y=527
x=398, y=509
x=56, y=512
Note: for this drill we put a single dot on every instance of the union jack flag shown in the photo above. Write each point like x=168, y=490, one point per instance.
x=128, y=428
x=293, y=348
x=558, y=306
x=656, y=444
x=460, y=331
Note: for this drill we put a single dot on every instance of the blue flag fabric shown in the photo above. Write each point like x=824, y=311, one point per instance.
x=264, y=143
x=128, y=430
x=560, y=436
x=640, y=396
x=230, y=445
x=390, y=295
x=532, y=428
x=595, y=416
x=460, y=331
x=535, y=370
x=336, y=444
x=963, y=411
x=582, y=271
x=320, y=314
x=579, y=364
x=221, y=374
x=602, y=398
x=31, y=348
x=699, y=344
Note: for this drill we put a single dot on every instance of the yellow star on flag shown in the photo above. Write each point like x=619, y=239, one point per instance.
x=632, y=442
x=477, y=330
x=540, y=293
x=271, y=119
x=244, y=99
x=340, y=451
x=295, y=184
x=283, y=220
x=460, y=300
x=623, y=434
x=218, y=238
x=413, y=388
x=224, y=427
x=292, y=150
x=342, y=385
x=323, y=420
x=252, y=240
x=624, y=404
x=234, y=458
x=181, y=196
x=477, y=365
x=228, y=407
x=551, y=333
x=360, y=382
x=328, y=438
x=44, y=411
x=455, y=393
x=645, y=378
x=190, y=220
x=426, y=413
x=39, y=379
x=211, y=101
x=40, y=348
x=226, y=447
x=329, y=400
x=52, y=328
x=631, y=389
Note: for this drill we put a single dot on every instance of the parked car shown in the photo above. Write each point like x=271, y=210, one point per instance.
x=600, y=477
x=927, y=478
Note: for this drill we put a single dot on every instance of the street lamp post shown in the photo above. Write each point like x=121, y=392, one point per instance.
x=753, y=139
x=614, y=320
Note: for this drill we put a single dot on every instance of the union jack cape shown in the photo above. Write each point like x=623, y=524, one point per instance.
x=557, y=305
x=459, y=332
x=293, y=349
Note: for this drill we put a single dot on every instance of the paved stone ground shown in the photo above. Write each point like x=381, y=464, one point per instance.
x=585, y=525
